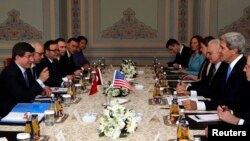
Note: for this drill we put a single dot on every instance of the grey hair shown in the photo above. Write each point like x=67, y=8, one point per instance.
x=216, y=42
x=234, y=40
x=34, y=42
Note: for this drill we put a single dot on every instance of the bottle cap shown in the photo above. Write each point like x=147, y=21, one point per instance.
x=22, y=136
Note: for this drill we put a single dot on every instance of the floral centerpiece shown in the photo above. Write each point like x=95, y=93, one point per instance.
x=110, y=91
x=117, y=121
x=128, y=67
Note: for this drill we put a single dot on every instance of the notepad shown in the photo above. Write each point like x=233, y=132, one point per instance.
x=17, y=113
x=205, y=117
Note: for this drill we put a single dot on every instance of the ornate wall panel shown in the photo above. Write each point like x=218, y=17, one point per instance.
x=20, y=24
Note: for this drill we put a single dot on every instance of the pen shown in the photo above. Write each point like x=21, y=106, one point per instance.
x=196, y=117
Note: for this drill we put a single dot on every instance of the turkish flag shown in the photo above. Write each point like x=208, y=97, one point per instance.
x=99, y=77
x=93, y=88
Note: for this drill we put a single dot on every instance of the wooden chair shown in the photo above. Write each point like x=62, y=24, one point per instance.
x=6, y=62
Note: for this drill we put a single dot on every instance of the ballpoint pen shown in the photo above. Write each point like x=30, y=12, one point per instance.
x=196, y=117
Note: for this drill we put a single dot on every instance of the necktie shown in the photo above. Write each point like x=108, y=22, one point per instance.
x=26, y=78
x=229, y=69
x=34, y=72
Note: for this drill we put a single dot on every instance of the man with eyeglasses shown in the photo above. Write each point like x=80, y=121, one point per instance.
x=216, y=73
x=50, y=61
x=38, y=56
x=16, y=84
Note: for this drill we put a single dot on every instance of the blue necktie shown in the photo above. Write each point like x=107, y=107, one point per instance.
x=26, y=78
x=228, y=72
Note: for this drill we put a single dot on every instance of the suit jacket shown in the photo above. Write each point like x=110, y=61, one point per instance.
x=67, y=64
x=14, y=89
x=55, y=72
x=182, y=58
x=232, y=89
x=79, y=59
x=204, y=78
x=212, y=86
x=194, y=64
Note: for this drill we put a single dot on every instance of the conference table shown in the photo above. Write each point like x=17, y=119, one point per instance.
x=74, y=129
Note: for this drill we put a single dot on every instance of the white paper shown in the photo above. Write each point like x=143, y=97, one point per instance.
x=58, y=89
x=19, y=117
x=3, y=139
x=205, y=117
x=180, y=99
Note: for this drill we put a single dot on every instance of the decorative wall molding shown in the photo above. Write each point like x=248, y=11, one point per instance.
x=14, y=28
x=241, y=25
x=75, y=13
x=129, y=27
x=183, y=20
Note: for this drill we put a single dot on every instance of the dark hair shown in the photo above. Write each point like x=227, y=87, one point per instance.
x=72, y=39
x=48, y=43
x=172, y=42
x=60, y=39
x=199, y=39
x=21, y=48
x=79, y=38
x=206, y=40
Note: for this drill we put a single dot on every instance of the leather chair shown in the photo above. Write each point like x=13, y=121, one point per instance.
x=6, y=62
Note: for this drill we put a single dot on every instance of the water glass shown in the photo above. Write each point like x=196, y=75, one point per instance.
x=49, y=117
x=66, y=100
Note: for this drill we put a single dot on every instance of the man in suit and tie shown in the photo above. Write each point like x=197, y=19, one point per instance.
x=216, y=75
x=239, y=117
x=38, y=56
x=66, y=61
x=15, y=83
x=182, y=52
x=232, y=49
x=50, y=61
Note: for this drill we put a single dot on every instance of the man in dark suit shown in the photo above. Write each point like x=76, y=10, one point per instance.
x=15, y=84
x=182, y=52
x=38, y=56
x=241, y=116
x=216, y=75
x=66, y=61
x=232, y=49
x=50, y=61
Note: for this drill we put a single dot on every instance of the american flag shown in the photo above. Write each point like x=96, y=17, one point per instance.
x=119, y=81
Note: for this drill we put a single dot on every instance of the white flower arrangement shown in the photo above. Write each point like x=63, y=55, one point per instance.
x=117, y=121
x=128, y=67
x=110, y=91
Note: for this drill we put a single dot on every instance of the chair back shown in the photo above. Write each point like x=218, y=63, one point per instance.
x=6, y=62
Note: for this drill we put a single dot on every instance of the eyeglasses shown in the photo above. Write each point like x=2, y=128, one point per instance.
x=28, y=56
x=55, y=50
x=40, y=53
